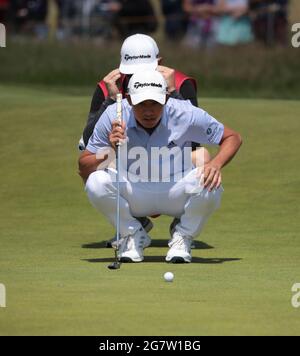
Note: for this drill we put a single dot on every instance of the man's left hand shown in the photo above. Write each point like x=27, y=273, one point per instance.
x=169, y=75
x=210, y=176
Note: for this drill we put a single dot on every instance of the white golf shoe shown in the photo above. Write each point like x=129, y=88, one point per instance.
x=180, y=249
x=172, y=229
x=131, y=247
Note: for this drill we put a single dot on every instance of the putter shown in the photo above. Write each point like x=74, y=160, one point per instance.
x=116, y=264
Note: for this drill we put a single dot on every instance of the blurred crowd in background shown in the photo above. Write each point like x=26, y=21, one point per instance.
x=196, y=23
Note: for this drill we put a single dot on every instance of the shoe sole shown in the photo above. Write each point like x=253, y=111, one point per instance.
x=108, y=244
x=178, y=260
x=128, y=260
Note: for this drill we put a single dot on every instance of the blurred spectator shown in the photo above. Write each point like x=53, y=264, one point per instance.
x=4, y=7
x=37, y=15
x=136, y=16
x=30, y=15
x=270, y=21
x=201, y=29
x=71, y=18
x=175, y=19
x=67, y=8
x=106, y=14
x=90, y=17
x=19, y=13
x=234, y=25
x=205, y=23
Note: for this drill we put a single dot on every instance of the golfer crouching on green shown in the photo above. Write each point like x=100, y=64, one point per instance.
x=157, y=176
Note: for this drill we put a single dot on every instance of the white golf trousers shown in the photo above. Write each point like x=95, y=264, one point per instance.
x=147, y=199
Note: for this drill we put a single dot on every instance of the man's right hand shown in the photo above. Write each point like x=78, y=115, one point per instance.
x=117, y=133
x=111, y=83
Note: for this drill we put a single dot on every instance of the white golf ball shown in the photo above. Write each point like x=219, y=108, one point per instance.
x=169, y=276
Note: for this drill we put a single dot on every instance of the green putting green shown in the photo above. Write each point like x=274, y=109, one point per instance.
x=52, y=256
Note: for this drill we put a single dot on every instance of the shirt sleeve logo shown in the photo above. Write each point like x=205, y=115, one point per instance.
x=212, y=131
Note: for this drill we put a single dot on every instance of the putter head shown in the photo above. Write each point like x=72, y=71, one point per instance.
x=114, y=265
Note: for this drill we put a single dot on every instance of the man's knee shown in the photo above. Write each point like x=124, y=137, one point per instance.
x=98, y=185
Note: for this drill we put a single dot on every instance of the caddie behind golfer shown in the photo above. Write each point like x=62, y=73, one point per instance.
x=157, y=175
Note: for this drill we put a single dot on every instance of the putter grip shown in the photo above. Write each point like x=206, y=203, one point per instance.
x=119, y=108
x=119, y=111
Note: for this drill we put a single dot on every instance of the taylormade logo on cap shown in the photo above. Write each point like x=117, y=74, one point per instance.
x=138, y=53
x=142, y=85
x=148, y=85
x=127, y=57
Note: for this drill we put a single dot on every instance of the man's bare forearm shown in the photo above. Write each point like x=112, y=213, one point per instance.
x=88, y=163
x=228, y=149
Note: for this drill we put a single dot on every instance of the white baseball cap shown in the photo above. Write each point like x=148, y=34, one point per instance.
x=138, y=53
x=148, y=85
x=153, y=43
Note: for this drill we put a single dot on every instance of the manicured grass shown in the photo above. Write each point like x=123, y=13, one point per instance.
x=52, y=259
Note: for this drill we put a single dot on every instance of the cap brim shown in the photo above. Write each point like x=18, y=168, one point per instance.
x=138, y=98
x=134, y=68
